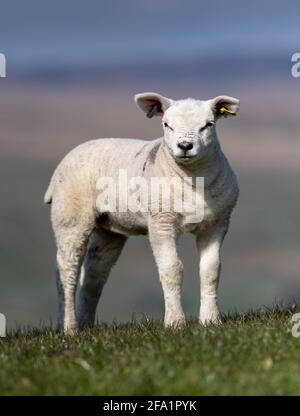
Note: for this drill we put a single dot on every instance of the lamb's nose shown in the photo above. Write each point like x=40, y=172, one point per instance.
x=185, y=146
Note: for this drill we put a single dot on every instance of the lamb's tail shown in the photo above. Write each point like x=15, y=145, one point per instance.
x=49, y=192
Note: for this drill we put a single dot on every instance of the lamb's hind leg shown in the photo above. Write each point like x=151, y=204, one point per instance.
x=71, y=246
x=102, y=253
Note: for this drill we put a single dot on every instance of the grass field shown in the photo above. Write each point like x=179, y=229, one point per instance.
x=250, y=354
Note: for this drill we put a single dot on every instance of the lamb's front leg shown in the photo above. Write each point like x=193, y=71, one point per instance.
x=209, y=246
x=162, y=236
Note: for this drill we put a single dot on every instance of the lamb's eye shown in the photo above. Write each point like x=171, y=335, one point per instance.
x=166, y=125
x=207, y=125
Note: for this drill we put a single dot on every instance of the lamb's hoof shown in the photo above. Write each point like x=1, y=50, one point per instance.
x=210, y=320
x=71, y=330
x=175, y=323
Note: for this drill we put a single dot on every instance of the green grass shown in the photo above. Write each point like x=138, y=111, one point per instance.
x=252, y=354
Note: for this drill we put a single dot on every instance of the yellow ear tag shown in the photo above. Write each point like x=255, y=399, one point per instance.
x=226, y=111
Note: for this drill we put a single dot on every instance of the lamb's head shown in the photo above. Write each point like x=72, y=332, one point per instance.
x=189, y=125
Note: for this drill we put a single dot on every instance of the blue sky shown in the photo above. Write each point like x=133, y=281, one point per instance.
x=37, y=33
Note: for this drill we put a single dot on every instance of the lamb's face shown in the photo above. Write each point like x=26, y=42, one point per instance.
x=189, y=125
x=189, y=129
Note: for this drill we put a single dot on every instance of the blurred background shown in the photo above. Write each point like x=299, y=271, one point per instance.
x=72, y=70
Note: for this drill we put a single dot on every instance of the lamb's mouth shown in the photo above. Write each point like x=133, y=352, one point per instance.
x=186, y=157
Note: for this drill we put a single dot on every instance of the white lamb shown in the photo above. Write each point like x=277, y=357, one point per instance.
x=90, y=240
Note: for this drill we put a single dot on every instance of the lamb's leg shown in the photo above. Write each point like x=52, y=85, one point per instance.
x=163, y=241
x=209, y=247
x=71, y=246
x=61, y=301
x=103, y=251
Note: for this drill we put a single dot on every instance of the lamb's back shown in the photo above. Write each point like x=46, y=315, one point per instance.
x=101, y=157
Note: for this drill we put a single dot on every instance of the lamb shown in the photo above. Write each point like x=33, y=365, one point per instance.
x=90, y=238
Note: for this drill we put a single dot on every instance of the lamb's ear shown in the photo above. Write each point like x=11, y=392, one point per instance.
x=152, y=104
x=224, y=106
